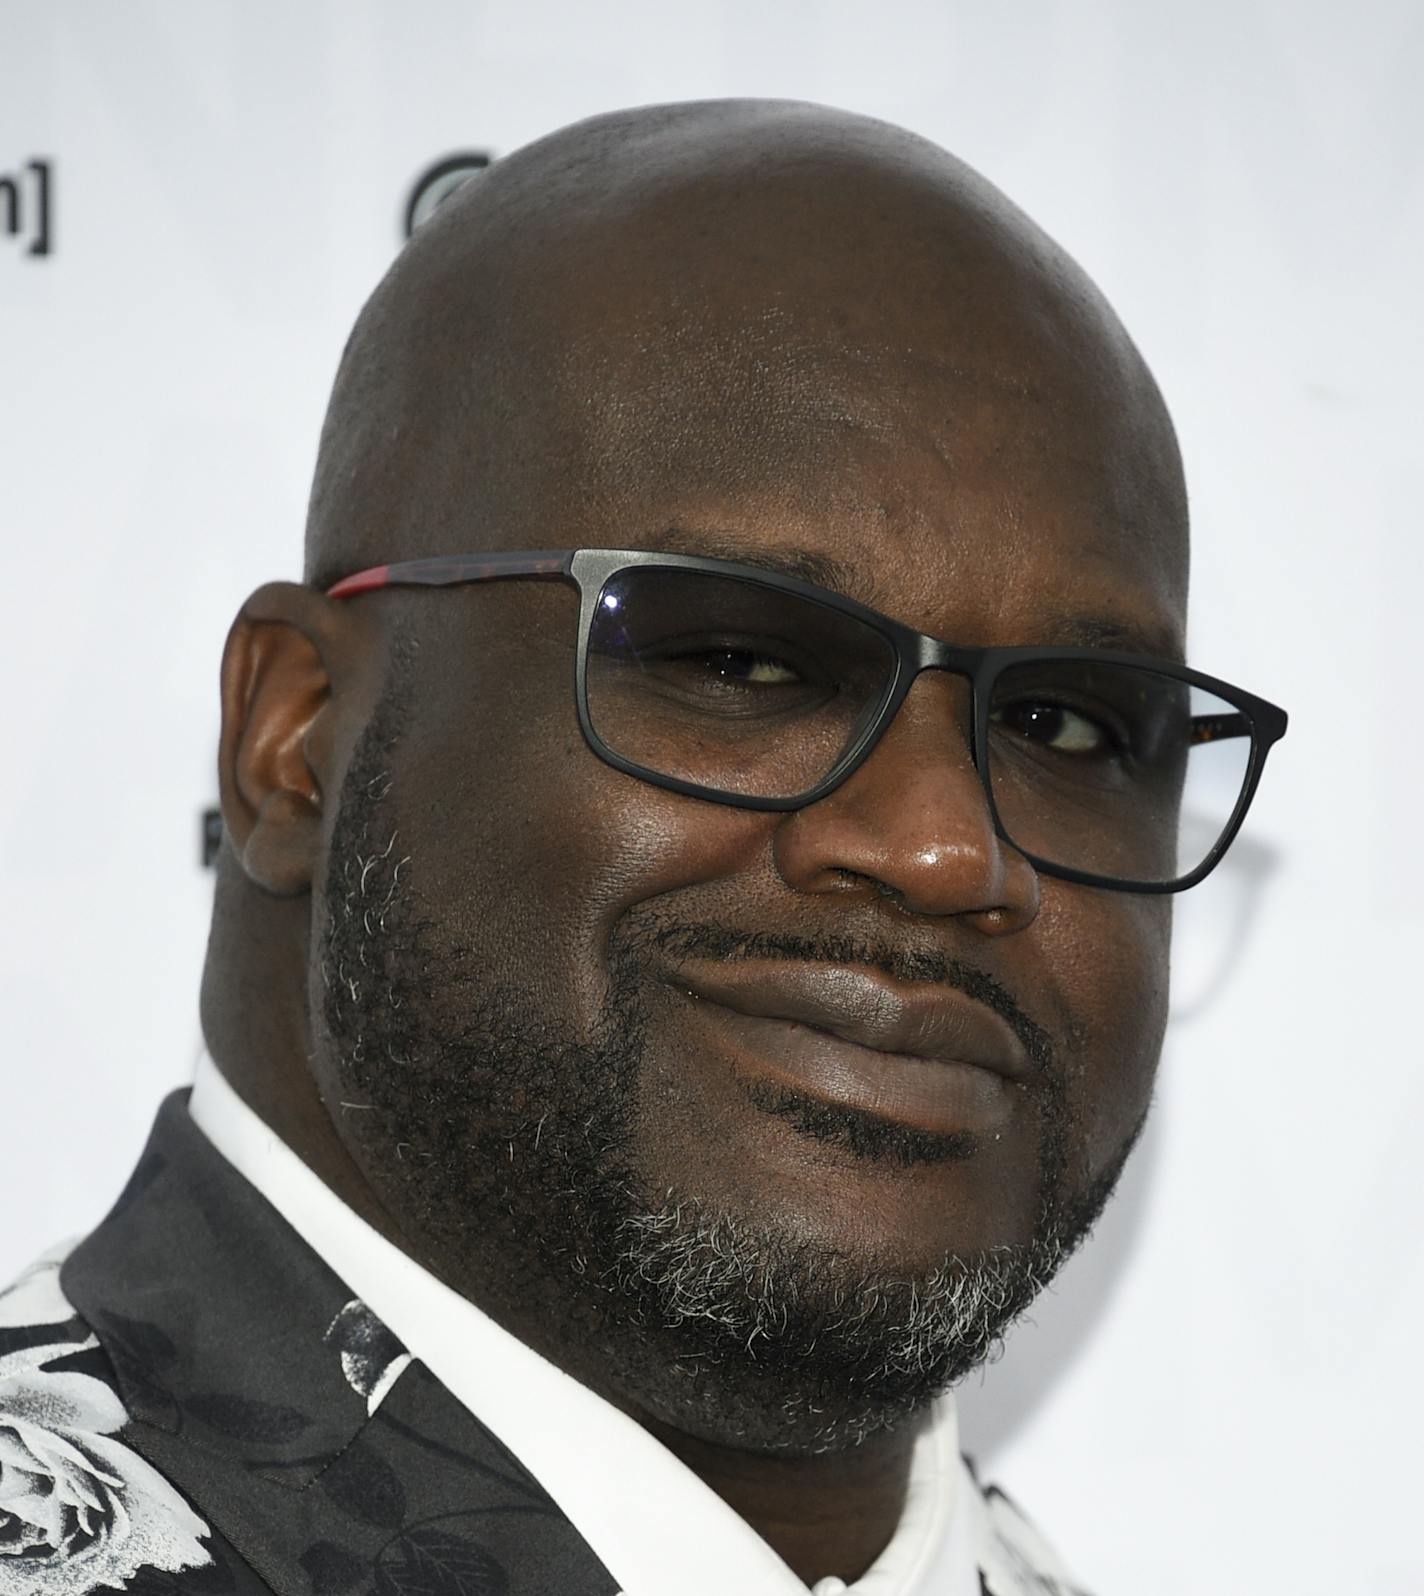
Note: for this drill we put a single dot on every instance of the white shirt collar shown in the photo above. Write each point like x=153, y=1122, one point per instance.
x=636, y=1504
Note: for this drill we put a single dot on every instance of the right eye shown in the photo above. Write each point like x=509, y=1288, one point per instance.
x=1055, y=726
x=721, y=672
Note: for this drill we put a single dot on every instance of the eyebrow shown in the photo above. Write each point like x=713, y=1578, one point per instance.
x=1102, y=631
x=806, y=565
x=803, y=565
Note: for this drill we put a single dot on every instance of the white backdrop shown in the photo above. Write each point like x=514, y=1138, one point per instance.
x=1221, y=1395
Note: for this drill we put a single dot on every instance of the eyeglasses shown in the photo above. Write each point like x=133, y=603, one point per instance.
x=730, y=683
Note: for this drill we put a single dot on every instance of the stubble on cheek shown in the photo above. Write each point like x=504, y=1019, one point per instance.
x=535, y=940
x=474, y=1047
x=578, y=1181
x=1110, y=987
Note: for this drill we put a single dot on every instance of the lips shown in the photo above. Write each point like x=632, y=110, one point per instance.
x=870, y=1010
x=925, y=1055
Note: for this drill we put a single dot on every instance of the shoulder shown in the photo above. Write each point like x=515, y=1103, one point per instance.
x=1015, y=1558
x=81, y=1511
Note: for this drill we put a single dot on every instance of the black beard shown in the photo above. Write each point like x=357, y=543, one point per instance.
x=502, y=1146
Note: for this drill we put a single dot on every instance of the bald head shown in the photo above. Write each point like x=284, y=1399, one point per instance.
x=728, y=297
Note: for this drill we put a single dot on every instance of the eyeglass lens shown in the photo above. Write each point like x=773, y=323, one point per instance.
x=757, y=693
x=728, y=684
x=1114, y=770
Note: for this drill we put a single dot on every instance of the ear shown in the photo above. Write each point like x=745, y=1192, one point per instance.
x=275, y=752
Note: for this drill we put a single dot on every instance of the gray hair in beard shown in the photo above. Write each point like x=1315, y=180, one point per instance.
x=720, y=1282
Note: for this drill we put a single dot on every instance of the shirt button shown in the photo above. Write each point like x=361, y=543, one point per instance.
x=829, y=1586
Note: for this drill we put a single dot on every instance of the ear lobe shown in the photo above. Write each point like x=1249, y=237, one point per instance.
x=275, y=688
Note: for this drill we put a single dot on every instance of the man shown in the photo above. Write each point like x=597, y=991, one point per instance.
x=631, y=1108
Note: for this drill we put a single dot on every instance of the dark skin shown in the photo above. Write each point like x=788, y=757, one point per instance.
x=764, y=328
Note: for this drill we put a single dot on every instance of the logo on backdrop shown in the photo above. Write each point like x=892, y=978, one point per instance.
x=437, y=183
x=27, y=206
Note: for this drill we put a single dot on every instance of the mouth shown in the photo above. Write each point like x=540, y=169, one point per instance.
x=925, y=1056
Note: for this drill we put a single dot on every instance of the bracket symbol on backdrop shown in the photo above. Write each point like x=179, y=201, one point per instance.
x=27, y=205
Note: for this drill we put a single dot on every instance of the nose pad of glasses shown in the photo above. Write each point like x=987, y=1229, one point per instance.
x=939, y=707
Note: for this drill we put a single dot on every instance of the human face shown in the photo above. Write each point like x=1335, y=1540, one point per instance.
x=582, y=893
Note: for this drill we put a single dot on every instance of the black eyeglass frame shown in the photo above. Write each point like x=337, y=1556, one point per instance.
x=591, y=570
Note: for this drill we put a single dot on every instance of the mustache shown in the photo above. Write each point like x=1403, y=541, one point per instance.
x=679, y=942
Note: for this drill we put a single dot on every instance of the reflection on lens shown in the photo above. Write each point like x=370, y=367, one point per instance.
x=1095, y=767
x=727, y=684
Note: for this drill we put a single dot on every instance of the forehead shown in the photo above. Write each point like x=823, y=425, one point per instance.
x=857, y=350
x=972, y=503
x=956, y=605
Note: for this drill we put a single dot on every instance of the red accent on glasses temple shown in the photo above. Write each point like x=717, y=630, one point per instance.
x=360, y=582
x=446, y=570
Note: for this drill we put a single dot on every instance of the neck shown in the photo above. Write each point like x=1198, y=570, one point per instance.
x=831, y=1514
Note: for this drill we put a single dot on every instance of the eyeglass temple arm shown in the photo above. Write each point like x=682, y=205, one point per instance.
x=450, y=569
x=1212, y=728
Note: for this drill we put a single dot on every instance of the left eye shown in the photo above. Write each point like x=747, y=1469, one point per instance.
x=1054, y=726
x=763, y=670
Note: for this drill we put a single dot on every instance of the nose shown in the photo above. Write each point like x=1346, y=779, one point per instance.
x=913, y=824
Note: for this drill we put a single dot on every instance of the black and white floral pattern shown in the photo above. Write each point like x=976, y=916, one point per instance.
x=372, y=1358
x=78, y=1508
x=1014, y=1558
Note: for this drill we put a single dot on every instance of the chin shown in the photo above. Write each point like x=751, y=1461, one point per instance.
x=781, y=1334
x=857, y=1194
x=758, y=1336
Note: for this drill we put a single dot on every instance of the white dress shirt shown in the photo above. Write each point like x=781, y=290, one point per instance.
x=655, y=1526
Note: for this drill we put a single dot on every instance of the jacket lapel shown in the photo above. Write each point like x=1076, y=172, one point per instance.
x=288, y=1414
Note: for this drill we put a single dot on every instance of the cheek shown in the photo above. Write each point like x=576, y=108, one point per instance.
x=529, y=859
x=1108, y=954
